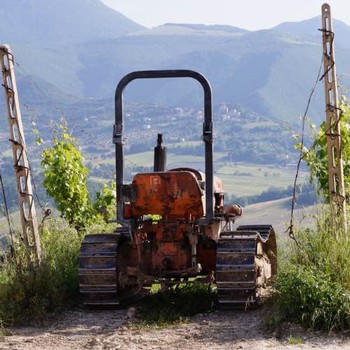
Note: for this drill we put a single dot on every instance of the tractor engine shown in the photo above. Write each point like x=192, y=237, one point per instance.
x=165, y=210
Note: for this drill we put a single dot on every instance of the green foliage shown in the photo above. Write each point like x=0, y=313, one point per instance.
x=295, y=341
x=65, y=179
x=313, y=287
x=105, y=201
x=30, y=295
x=316, y=157
x=177, y=303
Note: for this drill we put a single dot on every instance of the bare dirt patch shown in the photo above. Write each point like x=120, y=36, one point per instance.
x=114, y=329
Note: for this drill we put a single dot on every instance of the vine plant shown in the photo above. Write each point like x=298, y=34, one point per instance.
x=316, y=156
x=65, y=180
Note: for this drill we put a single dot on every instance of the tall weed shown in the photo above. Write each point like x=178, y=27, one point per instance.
x=30, y=295
x=313, y=286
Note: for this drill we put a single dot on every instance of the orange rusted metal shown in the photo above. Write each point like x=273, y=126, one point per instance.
x=174, y=194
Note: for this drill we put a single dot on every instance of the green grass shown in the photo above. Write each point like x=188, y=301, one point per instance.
x=313, y=283
x=249, y=179
x=144, y=159
x=30, y=294
x=175, y=305
x=295, y=341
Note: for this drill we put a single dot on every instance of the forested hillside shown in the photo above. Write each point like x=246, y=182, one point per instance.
x=74, y=51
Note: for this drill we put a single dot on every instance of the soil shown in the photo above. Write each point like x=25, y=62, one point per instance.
x=115, y=329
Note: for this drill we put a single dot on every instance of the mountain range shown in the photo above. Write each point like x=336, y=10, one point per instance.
x=71, y=50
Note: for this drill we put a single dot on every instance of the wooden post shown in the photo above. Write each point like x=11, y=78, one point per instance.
x=334, y=150
x=22, y=171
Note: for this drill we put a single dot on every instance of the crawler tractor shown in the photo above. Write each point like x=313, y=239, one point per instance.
x=173, y=227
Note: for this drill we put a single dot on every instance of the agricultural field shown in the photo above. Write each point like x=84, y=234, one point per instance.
x=240, y=179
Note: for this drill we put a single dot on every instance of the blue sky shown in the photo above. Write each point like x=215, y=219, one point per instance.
x=247, y=14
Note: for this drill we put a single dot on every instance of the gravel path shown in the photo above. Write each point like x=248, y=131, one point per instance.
x=113, y=329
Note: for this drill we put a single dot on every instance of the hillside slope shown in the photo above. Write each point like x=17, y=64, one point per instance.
x=55, y=23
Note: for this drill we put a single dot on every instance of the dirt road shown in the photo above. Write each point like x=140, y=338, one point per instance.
x=102, y=330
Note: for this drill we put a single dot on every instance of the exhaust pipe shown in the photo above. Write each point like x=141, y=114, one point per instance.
x=159, y=155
